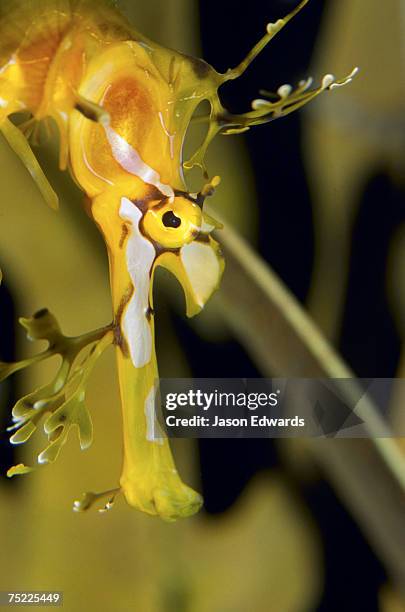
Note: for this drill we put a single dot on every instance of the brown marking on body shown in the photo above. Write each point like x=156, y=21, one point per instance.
x=200, y=67
x=124, y=234
x=202, y=238
x=119, y=338
x=149, y=313
x=41, y=313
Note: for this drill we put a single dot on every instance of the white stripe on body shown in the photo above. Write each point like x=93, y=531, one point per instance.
x=131, y=161
x=140, y=255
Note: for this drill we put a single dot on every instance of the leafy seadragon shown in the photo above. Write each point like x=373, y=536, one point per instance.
x=122, y=105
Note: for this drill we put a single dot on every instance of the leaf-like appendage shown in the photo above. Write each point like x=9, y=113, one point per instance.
x=18, y=470
x=89, y=499
x=72, y=413
x=51, y=453
x=6, y=369
x=24, y=433
x=63, y=399
x=42, y=326
x=33, y=403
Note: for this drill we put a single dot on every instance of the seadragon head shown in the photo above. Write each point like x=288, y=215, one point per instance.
x=134, y=104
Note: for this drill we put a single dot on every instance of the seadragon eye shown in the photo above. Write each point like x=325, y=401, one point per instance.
x=174, y=223
x=170, y=220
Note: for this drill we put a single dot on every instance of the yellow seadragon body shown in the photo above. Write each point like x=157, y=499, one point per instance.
x=122, y=106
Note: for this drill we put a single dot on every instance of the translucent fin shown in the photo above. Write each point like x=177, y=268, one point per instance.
x=24, y=21
x=20, y=146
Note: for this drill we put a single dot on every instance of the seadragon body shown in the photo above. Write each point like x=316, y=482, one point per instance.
x=122, y=106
